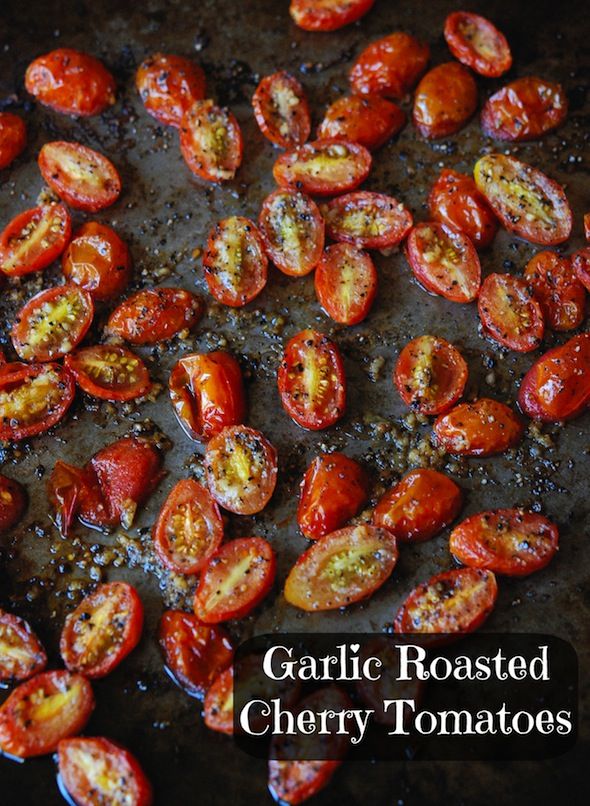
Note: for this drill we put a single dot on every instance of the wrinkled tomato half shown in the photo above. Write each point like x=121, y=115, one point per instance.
x=368, y=220
x=454, y=200
x=391, y=66
x=366, y=119
x=525, y=109
x=33, y=398
x=155, y=314
x=13, y=500
x=34, y=239
x=581, y=266
x=211, y=141
x=21, y=654
x=346, y=283
x=169, y=85
x=323, y=167
x=557, y=289
x=109, y=372
x=445, y=99
x=83, y=178
x=218, y=706
x=292, y=230
x=481, y=428
x=98, y=261
x=509, y=313
x=327, y=15
x=281, y=110
x=477, y=43
x=235, y=261
x=13, y=138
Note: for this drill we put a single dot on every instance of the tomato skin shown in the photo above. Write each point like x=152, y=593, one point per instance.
x=155, y=314
x=471, y=37
x=211, y=141
x=98, y=260
x=368, y=220
x=34, y=239
x=13, y=501
x=509, y=313
x=235, y=262
x=525, y=109
x=327, y=15
x=292, y=230
x=81, y=177
x=454, y=200
x=481, y=428
x=581, y=266
x=13, y=138
x=365, y=119
x=445, y=99
x=337, y=166
x=28, y=656
x=71, y=82
x=218, y=703
x=109, y=372
x=558, y=291
x=27, y=385
x=169, y=85
x=390, y=66
x=346, y=283
x=285, y=128
x=587, y=226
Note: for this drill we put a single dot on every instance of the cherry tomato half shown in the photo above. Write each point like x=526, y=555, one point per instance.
x=33, y=398
x=211, y=141
x=13, y=138
x=83, y=178
x=391, y=66
x=21, y=654
x=13, y=501
x=558, y=291
x=281, y=110
x=169, y=85
x=509, y=313
x=323, y=167
x=454, y=200
x=109, y=372
x=98, y=261
x=368, y=220
x=292, y=230
x=477, y=43
x=481, y=428
x=155, y=314
x=346, y=283
x=218, y=706
x=525, y=109
x=34, y=239
x=235, y=261
x=445, y=100
x=365, y=119
x=581, y=265
x=327, y=15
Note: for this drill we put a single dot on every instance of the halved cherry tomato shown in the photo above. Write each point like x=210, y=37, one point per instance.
x=71, y=82
x=341, y=568
x=311, y=381
x=481, y=428
x=292, y=230
x=169, y=85
x=281, y=110
x=211, y=141
x=52, y=323
x=509, y=313
x=366, y=119
x=477, y=43
x=13, y=138
x=155, y=314
x=235, y=579
x=587, y=226
x=430, y=375
x=109, y=372
x=332, y=492
x=391, y=66
x=207, y=393
x=368, y=220
x=235, y=261
x=33, y=398
x=241, y=467
x=327, y=15
x=96, y=770
x=558, y=291
x=83, y=178
x=189, y=528
x=444, y=261
x=195, y=653
x=98, y=261
x=526, y=201
x=346, y=283
x=21, y=654
x=45, y=709
x=445, y=100
x=525, y=109
x=454, y=200
x=34, y=239
x=104, y=628
x=13, y=500
x=581, y=265
x=557, y=386
x=323, y=167
x=218, y=705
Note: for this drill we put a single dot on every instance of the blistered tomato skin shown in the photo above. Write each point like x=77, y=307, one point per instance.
x=581, y=266
x=482, y=428
x=235, y=262
x=509, y=313
x=367, y=219
x=154, y=315
x=13, y=138
x=525, y=109
x=327, y=15
x=34, y=239
x=21, y=654
x=455, y=200
x=445, y=99
x=323, y=167
x=169, y=85
x=292, y=230
x=218, y=706
x=98, y=260
x=13, y=501
x=366, y=119
x=211, y=141
x=281, y=110
x=109, y=372
x=81, y=177
x=558, y=291
x=346, y=283
x=477, y=43
x=391, y=66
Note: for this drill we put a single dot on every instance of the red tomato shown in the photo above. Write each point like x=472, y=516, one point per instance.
x=558, y=291
x=13, y=138
x=52, y=323
x=39, y=713
x=525, y=109
x=327, y=15
x=189, y=528
x=341, y=568
x=509, y=313
x=211, y=141
x=98, y=261
x=241, y=467
x=71, y=82
x=96, y=770
x=235, y=261
x=218, y=706
x=83, y=178
x=104, y=628
x=21, y=654
x=365, y=119
x=13, y=501
x=346, y=283
x=445, y=100
x=109, y=372
x=33, y=398
x=557, y=386
x=323, y=167
x=444, y=261
x=477, y=43
x=281, y=110
x=155, y=314
x=207, y=393
x=430, y=375
x=581, y=266
x=292, y=230
x=391, y=66
x=454, y=200
x=34, y=239
x=332, y=492
x=481, y=428
x=169, y=85
x=194, y=653
x=368, y=220
x=525, y=200
x=311, y=381
x=587, y=226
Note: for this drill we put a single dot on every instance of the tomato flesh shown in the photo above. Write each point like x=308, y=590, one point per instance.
x=98, y=261
x=169, y=85
x=34, y=239
x=365, y=119
x=211, y=141
x=558, y=291
x=13, y=138
x=154, y=315
x=13, y=501
x=525, y=109
x=109, y=372
x=445, y=100
x=481, y=428
x=509, y=313
x=21, y=654
x=33, y=398
x=391, y=66
x=455, y=200
x=292, y=231
x=281, y=110
x=81, y=177
x=368, y=220
x=235, y=262
x=218, y=705
x=323, y=167
x=327, y=15
x=346, y=283
x=477, y=43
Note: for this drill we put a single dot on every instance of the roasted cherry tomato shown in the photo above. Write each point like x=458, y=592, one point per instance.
x=218, y=706
x=235, y=262
x=34, y=239
x=195, y=653
x=169, y=85
x=189, y=528
x=368, y=220
x=311, y=381
x=21, y=654
x=241, y=467
x=207, y=393
x=476, y=42
x=444, y=261
x=109, y=372
x=33, y=398
x=292, y=231
x=430, y=375
x=281, y=110
x=52, y=323
x=341, y=568
x=211, y=141
x=445, y=100
x=454, y=200
x=104, y=628
x=98, y=261
x=13, y=138
x=155, y=314
x=332, y=492
x=581, y=266
x=557, y=386
x=526, y=201
x=509, y=313
x=83, y=178
x=71, y=82
x=13, y=500
x=45, y=709
x=391, y=66
x=481, y=428
x=323, y=167
x=327, y=15
x=346, y=283
x=558, y=291
x=95, y=771
x=525, y=109
x=365, y=119
x=587, y=226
